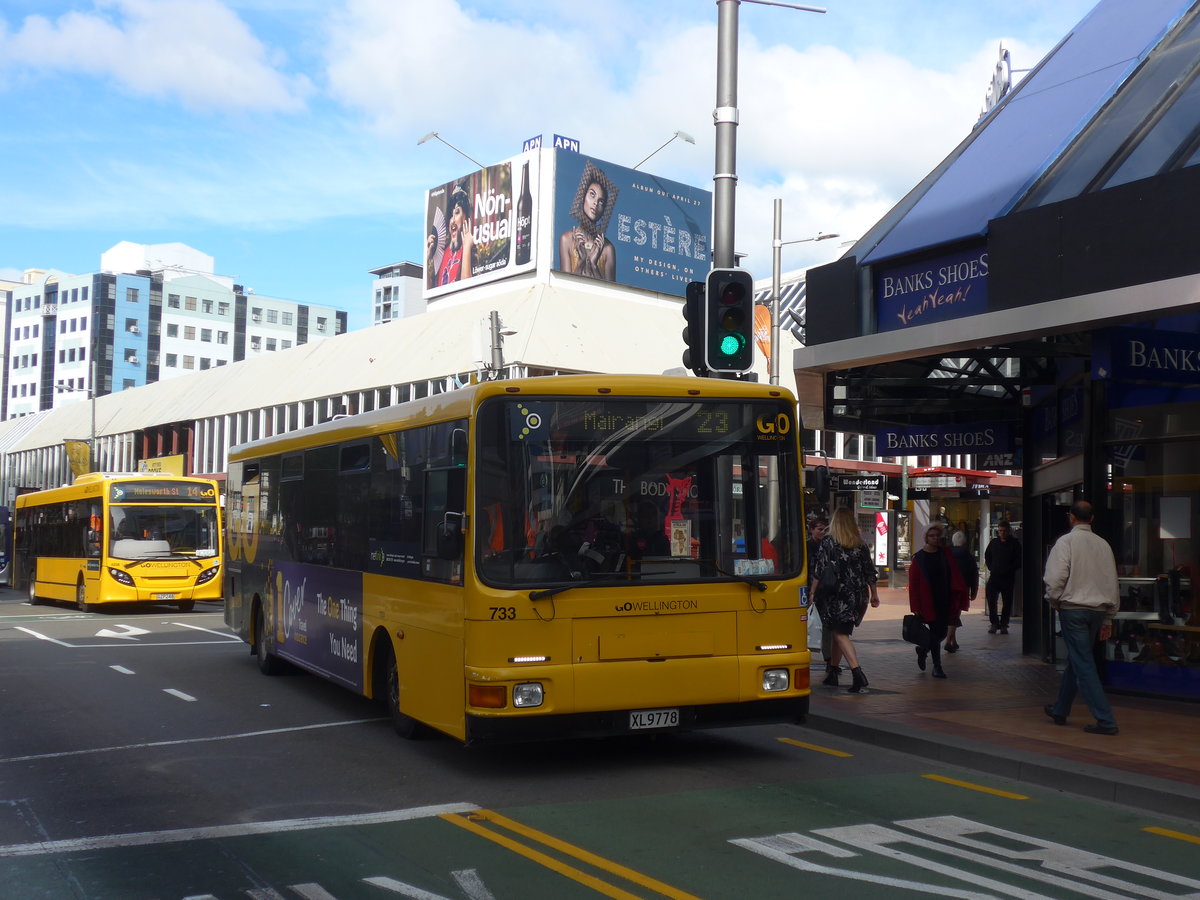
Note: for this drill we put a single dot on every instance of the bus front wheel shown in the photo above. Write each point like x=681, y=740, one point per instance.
x=268, y=662
x=81, y=598
x=406, y=726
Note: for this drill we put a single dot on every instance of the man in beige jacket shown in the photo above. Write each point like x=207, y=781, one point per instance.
x=1081, y=583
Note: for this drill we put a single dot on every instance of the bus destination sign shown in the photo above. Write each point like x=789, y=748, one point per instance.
x=156, y=491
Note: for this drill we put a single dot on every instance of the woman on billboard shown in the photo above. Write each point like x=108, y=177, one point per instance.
x=450, y=252
x=584, y=250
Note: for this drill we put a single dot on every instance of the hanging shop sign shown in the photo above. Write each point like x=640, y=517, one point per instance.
x=979, y=438
x=932, y=290
x=929, y=482
x=846, y=482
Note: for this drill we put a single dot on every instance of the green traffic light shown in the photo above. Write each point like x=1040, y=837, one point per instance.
x=732, y=344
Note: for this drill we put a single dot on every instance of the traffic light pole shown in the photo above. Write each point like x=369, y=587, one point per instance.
x=725, y=119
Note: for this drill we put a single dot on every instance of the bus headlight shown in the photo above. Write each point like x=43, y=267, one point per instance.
x=121, y=575
x=207, y=575
x=528, y=694
x=775, y=680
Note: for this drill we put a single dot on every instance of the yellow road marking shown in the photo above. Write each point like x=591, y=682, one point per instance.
x=471, y=821
x=975, y=787
x=1178, y=835
x=813, y=747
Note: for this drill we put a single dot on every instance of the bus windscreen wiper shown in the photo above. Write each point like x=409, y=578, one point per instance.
x=596, y=579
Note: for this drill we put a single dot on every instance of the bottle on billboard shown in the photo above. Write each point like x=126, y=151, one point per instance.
x=524, y=219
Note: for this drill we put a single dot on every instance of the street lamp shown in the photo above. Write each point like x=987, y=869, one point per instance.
x=678, y=134
x=434, y=134
x=778, y=244
x=64, y=388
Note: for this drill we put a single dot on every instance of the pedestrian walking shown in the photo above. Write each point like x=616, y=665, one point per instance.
x=816, y=533
x=843, y=550
x=1002, y=558
x=970, y=573
x=937, y=593
x=1081, y=584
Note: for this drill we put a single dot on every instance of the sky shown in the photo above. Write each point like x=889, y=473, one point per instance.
x=280, y=136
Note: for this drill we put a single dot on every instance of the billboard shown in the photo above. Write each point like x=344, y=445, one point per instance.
x=628, y=227
x=481, y=227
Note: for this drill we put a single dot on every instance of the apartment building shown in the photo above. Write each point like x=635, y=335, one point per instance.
x=152, y=313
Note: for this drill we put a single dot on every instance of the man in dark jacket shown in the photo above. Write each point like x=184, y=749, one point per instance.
x=1003, y=559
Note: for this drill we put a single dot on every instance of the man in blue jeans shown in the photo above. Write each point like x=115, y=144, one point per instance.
x=1081, y=583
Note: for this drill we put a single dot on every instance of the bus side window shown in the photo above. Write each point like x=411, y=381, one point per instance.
x=445, y=493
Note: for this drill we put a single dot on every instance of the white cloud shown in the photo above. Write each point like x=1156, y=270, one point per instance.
x=197, y=51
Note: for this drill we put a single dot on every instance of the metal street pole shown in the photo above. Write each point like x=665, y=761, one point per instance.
x=776, y=254
x=725, y=119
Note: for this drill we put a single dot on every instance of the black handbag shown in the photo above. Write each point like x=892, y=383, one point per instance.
x=914, y=630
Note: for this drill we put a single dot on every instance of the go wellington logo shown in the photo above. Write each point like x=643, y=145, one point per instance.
x=773, y=428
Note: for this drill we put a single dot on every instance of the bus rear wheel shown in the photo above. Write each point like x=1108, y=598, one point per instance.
x=33, y=597
x=81, y=598
x=406, y=726
x=268, y=662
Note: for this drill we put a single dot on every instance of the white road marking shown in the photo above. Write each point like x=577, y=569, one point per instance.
x=217, y=832
x=128, y=632
x=45, y=637
x=180, y=694
x=122, y=670
x=222, y=634
x=222, y=737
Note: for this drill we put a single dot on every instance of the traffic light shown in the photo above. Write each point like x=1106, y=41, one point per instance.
x=693, y=331
x=729, y=321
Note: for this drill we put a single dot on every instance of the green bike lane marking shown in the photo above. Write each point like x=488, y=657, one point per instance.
x=875, y=836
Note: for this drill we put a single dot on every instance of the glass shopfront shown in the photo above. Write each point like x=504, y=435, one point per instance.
x=1152, y=454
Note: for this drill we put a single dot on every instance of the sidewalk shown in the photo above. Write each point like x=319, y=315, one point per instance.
x=987, y=715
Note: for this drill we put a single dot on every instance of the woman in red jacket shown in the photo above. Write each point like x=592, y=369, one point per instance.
x=937, y=593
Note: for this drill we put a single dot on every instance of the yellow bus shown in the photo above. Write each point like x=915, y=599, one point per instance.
x=535, y=559
x=127, y=538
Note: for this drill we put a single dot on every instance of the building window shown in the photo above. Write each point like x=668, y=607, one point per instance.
x=189, y=362
x=189, y=332
x=172, y=301
x=285, y=345
x=206, y=335
x=207, y=306
x=131, y=356
x=270, y=345
x=131, y=295
x=83, y=294
x=273, y=316
x=172, y=361
x=205, y=362
x=222, y=337
x=172, y=330
x=256, y=343
x=128, y=383
x=256, y=313
x=222, y=309
x=321, y=323
x=131, y=326
x=83, y=324
x=189, y=303
x=287, y=318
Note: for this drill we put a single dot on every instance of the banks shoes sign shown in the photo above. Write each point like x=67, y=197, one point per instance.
x=978, y=438
x=932, y=290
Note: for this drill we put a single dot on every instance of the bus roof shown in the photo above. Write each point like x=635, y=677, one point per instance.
x=461, y=403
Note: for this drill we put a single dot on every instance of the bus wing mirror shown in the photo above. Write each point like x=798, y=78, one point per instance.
x=458, y=447
x=450, y=536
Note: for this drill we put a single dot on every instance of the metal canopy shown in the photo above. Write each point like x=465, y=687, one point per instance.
x=983, y=385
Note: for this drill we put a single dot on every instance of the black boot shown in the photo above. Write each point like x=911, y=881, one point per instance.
x=860, y=680
x=937, y=671
x=831, y=675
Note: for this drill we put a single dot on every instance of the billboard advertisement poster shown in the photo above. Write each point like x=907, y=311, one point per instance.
x=628, y=227
x=481, y=227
